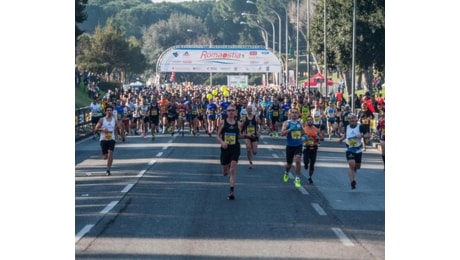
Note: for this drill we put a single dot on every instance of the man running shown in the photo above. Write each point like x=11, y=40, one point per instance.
x=353, y=140
x=108, y=126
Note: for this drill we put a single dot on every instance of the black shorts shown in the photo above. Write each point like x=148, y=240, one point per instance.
x=291, y=151
x=95, y=119
x=253, y=139
x=354, y=156
x=107, y=145
x=366, y=128
x=232, y=153
x=154, y=120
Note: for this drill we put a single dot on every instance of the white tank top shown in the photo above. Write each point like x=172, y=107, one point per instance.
x=110, y=125
x=352, y=141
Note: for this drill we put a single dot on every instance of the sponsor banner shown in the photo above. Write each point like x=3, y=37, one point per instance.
x=219, y=58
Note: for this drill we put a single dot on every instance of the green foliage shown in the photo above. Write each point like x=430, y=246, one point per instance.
x=370, y=33
x=167, y=33
x=80, y=16
x=142, y=30
x=108, y=50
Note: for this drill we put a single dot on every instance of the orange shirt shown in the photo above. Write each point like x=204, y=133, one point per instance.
x=312, y=135
x=163, y=104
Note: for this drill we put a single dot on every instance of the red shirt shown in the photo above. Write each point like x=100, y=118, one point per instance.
x=339, y=96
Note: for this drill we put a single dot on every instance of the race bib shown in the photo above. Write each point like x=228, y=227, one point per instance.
x=251, y=130
x=353, y=142
x=296, y=134
x=230, y=138
x=108, y=136
x=275, y=113
x=153, y=112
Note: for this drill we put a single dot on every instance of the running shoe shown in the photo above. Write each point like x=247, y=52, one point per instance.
x=310, y=180
x=353, y=185
x=108, y=173
x=286, y=177
x=231, y=196
x=251, y=166
x=297, y=182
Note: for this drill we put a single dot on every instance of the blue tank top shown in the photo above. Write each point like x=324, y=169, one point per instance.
x=294, y=138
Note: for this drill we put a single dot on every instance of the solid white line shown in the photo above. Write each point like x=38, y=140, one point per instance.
x=127, y=188
x=109, y=207
x=141, y=173
x=303, y=190
x=152, y=162
x=345, y=240
x=83, y=231
x=159, y=154
x=318, y=209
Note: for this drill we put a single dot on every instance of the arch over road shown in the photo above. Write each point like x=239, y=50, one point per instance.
x=218, y=59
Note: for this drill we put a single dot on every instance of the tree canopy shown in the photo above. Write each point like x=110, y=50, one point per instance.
x=131, y=34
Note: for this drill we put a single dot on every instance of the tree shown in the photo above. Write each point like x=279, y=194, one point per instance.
x=108, y=51
x=369, y=41
x=80, y=16
x=167, y=33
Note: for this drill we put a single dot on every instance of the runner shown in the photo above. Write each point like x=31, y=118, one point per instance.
x=108, y=126
x=228, y=133
x=313, y=135
x=292, y=129
x=251, y=131
x=353, y=140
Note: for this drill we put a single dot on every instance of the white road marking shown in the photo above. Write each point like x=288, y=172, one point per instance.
x=83, y=231
x=109, y=207
x=141, y=173
x=159, y=154
x=303, y=190
x=127, y=188
x=318, y=209
x=345, y=240
x=152, y=162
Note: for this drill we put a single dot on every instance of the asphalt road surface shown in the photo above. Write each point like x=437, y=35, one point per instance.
x=167, y=199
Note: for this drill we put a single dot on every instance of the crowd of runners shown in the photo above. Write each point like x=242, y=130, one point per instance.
x=195, y=110
x=274, y=111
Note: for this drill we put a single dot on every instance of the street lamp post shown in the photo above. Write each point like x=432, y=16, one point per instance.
x=353, y=59
x=273, y=27
x=279, y=31
x=273, y=35
x=308, y=44
x=325, y=46
x=265, y=36
x=297, y=46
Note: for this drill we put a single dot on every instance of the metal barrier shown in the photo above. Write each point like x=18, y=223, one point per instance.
x=83, y=125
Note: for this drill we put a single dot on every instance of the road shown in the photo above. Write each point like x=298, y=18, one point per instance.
x=167, y=199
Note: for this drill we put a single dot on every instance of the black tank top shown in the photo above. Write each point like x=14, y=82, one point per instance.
x=230, y=133
x=250, y=126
